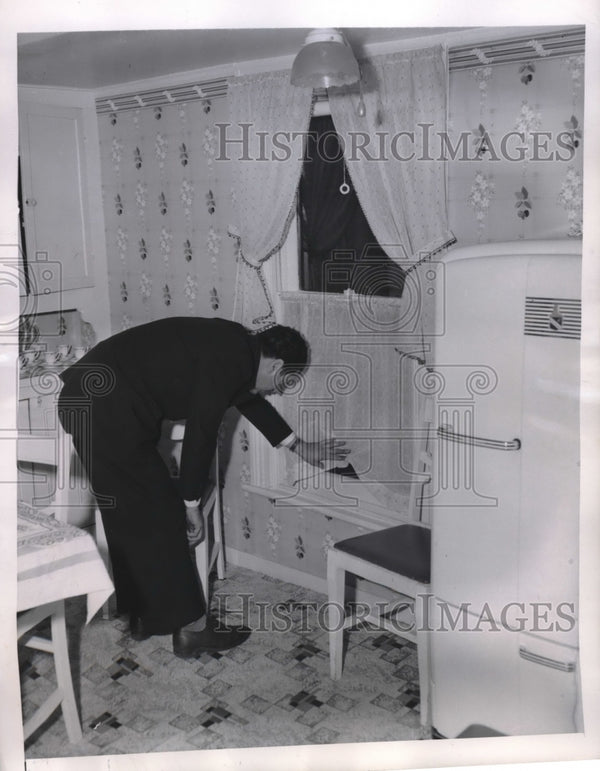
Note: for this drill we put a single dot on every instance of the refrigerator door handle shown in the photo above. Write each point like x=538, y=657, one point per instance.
x=537, y=658
x=445, y=432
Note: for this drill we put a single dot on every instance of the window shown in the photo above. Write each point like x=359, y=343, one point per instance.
x=338, y=250
x=360, y=386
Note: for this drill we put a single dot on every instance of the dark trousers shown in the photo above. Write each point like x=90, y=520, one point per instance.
x=142, y=512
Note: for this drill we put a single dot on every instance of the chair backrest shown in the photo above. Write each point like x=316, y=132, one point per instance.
x=423, y=458
x=44, y=447
x=171, y=444
x=54, y=449
x=177, y=431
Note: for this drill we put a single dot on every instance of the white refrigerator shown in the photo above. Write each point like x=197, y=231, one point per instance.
x=504, y=499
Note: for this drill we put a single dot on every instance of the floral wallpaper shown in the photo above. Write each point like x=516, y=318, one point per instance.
x=166, y=207
x=524, y=178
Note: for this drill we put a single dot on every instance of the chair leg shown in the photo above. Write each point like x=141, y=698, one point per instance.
x=101, y=542
x=64, y=481
x=102, y=545
x=63, y=673
x=423, y=657
x=218, y=537
x=203, y=568
x=336, y=577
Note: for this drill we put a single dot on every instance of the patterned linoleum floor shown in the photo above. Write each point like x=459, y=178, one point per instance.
x=274, y=690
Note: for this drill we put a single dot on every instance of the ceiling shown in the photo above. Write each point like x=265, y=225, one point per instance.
x=93, y=60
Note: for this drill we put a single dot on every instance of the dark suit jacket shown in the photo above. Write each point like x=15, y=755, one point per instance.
x=192, y=369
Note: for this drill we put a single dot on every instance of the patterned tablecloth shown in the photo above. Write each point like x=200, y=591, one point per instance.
x=56, y=561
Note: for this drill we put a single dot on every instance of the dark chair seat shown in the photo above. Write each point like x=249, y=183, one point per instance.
x=405, y=549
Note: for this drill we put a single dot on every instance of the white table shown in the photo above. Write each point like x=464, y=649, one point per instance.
x=55, y=561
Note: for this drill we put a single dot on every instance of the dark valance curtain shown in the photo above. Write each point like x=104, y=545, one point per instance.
x=339, y=250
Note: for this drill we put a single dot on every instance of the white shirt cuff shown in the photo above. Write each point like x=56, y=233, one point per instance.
x=289, y=439
x=192, y=504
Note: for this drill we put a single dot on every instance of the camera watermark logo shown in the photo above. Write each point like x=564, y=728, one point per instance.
x=384, y=296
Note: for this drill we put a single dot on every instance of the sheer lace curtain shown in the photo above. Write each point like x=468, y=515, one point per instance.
x=266, y=112
x=398, y=177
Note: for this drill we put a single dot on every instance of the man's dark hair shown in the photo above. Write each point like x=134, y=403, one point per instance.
x=280, y=342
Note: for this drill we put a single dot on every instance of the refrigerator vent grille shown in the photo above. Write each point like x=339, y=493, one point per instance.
x=553, y=317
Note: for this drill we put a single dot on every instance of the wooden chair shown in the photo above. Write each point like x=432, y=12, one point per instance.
x=56, y=451
x=52, y=449
x=208, y=553
x=211, y=550
x=397, y=558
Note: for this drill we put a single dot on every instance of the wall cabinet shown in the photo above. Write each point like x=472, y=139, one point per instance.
x=54, y=179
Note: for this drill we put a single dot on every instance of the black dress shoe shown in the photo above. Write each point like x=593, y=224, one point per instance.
x=188, y=644
x=136, y=629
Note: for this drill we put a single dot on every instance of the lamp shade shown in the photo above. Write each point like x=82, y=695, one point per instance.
x=325, y=60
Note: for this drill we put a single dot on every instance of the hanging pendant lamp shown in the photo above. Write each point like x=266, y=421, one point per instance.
x=325, y=60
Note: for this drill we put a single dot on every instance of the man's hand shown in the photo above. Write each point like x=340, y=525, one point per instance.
x=316, y=453
x=195, y=525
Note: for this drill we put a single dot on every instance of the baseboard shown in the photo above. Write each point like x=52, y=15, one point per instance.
x=275, y=570
x=360, y=591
